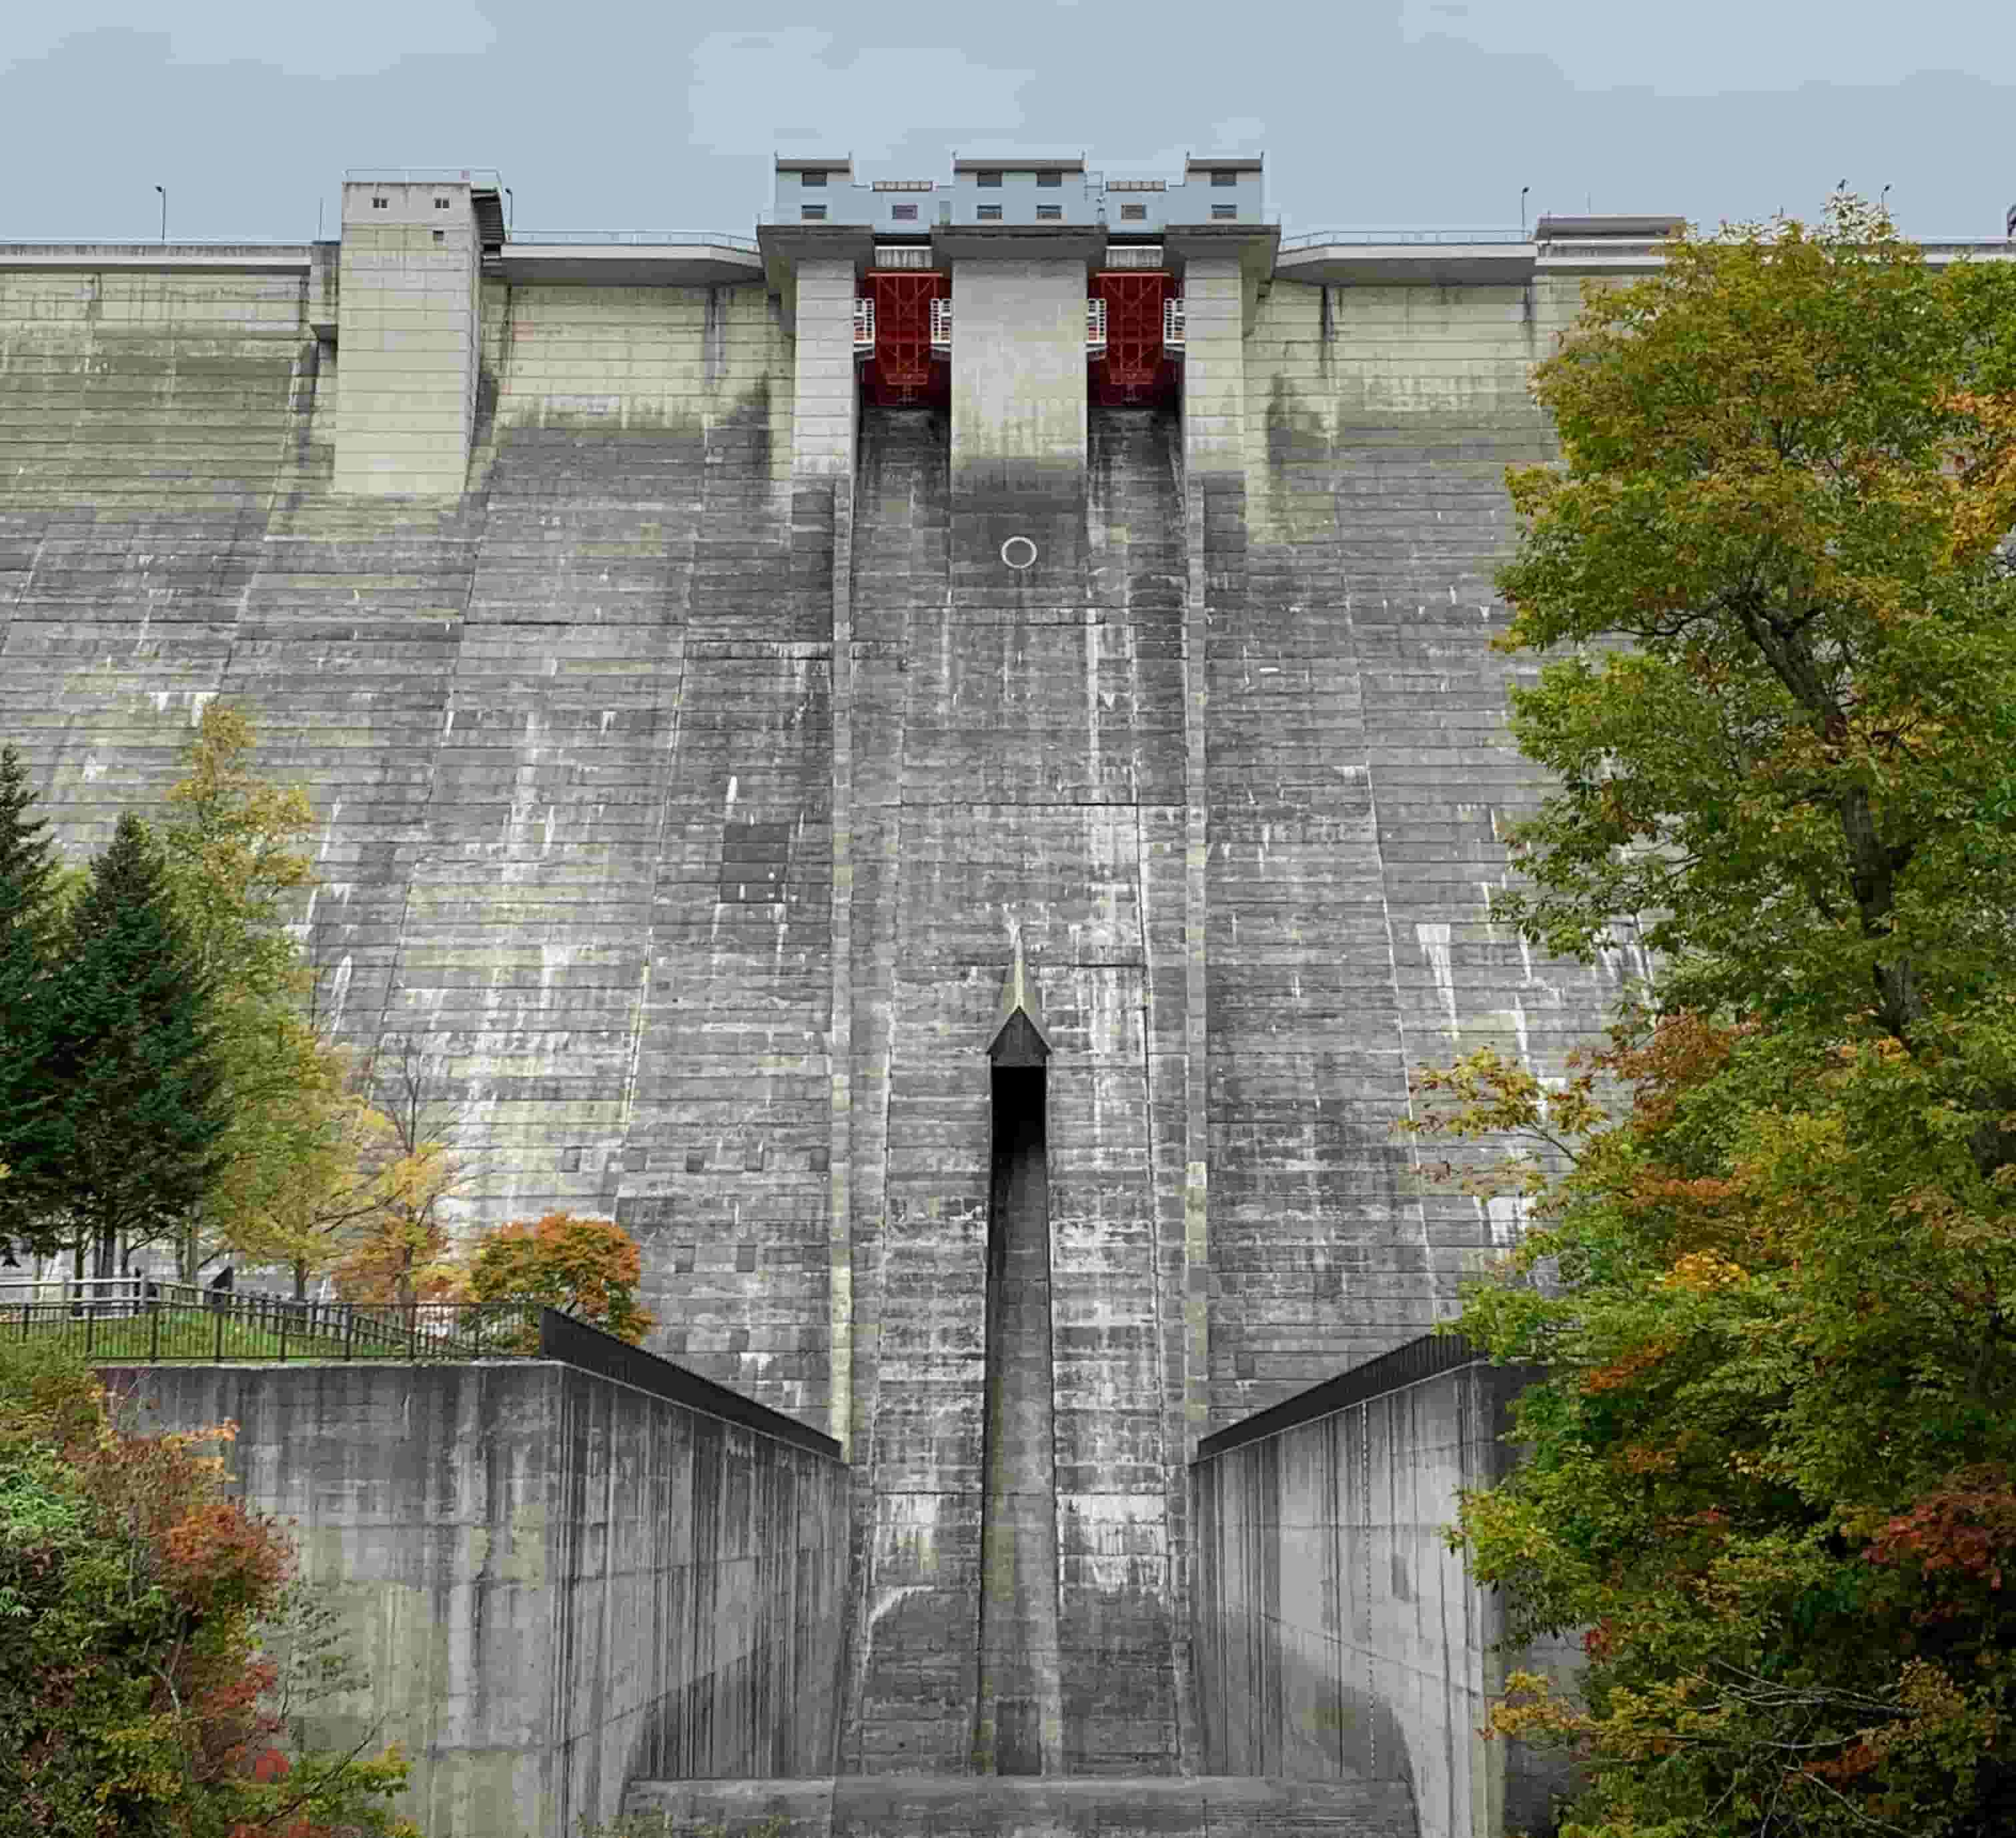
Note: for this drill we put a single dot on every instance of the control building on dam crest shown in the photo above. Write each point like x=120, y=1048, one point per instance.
x=941, y=762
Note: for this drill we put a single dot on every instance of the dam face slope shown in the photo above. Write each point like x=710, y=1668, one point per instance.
x=963, y=875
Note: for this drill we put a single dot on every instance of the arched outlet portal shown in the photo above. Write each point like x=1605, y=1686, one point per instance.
x=1018, y=1709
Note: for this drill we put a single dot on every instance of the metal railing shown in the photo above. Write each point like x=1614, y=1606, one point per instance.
x=1373, y=234
x=171, y=1321
x=120, y=1329
x=488, y=177
x=109, y=1293
x=152, y=246
x=633, y=239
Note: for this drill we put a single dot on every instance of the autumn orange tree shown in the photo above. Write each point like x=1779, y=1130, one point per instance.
x=391, y=1195
x=1771, y=1475
x=137, y=1695
x=589, y=1268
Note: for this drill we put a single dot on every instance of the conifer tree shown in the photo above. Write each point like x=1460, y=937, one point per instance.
x=135, y=1075
x=28, y=880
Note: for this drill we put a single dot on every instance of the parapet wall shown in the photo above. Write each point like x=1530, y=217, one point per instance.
x=556, y=1582
x=1337, y=1635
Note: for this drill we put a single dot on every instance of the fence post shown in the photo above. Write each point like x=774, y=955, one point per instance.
x=284, y=1337
x=218, y=1344
x=154, y=1331
x=90, y=1329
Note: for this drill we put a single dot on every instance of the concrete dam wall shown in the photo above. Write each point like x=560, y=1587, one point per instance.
x=1338, y=1636
x=556, y=1582
x=964, y=879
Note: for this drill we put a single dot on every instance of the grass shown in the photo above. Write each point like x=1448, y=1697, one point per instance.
x=177, y=1331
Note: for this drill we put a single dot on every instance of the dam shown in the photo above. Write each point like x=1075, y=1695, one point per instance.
x=941, y=762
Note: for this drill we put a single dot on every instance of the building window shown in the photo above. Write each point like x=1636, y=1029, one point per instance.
x=378, y=203
x=904, y=213
x=1049, y=181
x=812, y=213
x=440, y=235
x=1225, y=178
x=990, y=180
x=989, y=213
x=1223, y=213
x=1133, y=213
x=1050, y=213
x=811, y=178
x=440, y=203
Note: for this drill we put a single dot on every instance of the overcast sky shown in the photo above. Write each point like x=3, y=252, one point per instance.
x=664, y=116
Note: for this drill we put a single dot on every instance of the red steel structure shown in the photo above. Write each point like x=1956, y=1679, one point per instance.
x=1136, y=370
x=902, y=372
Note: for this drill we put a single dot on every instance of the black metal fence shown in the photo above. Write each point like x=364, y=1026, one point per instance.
x=154, y=1323
x=172, y=1326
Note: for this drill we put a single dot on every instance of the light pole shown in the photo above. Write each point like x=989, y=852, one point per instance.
x=164, y=190
x=1523, y=190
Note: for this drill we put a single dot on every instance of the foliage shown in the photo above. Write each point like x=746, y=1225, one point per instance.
x=287, y=1177
x=1789, y=459
x=133, y=1086
x=400, y=1250
x=28, y=1130
x=1770, y=1463
x=134, y=1695
x=1773, y=1275
x=590, y=1268
x=230, y=839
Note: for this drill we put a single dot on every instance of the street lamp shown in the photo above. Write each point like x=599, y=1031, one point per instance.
x=164, y=190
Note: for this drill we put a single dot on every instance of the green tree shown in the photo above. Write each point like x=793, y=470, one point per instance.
x=1771, y=1464
x=1788, y=461
x=136, y=1086
x=229, y=844
x=153, y=1646
x=30, y=1136
x=1774, y=1278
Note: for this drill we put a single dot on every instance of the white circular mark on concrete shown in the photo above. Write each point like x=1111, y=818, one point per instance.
x=1019, y=552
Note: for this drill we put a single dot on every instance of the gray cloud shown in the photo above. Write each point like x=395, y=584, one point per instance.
x=1370, y=111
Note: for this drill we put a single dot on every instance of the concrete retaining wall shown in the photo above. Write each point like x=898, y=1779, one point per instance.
x=911, y=1806
x=1337, y=1636
x=557, y=1583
